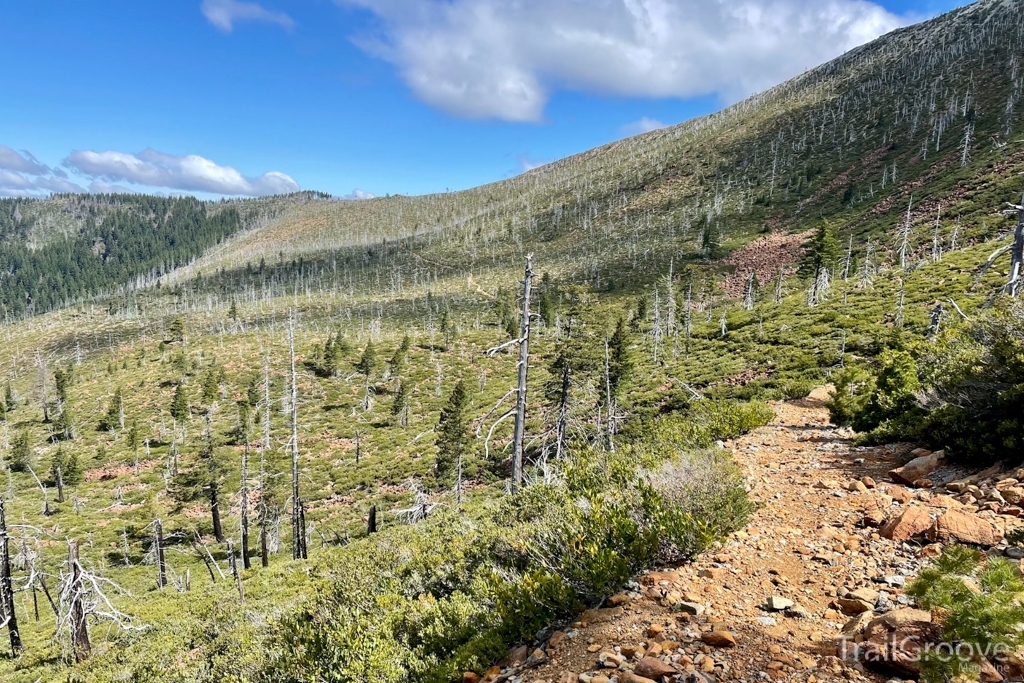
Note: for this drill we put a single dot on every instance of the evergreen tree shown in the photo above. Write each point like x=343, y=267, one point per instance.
x=620, y=357
x=453, y=434
x=70, y=469
x=180, y=409
x=9, y=401
x=233, y=311
x=115, y=412
x=367, y=364
x=400, y=404
x=398, y=359
x=204, y=481
x=447, y=327
x=824, y=250
x=176, y=330
x=210, y=387
x=62, y=379
x=21, y=452
x=64, y=423
x=253, y=392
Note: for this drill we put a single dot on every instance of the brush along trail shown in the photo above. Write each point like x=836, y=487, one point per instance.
x=775, y=600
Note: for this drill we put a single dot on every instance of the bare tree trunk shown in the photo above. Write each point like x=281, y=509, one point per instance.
x=234, y=571
x=298, y=529
x=161, y=565
x=245, y=504
x=264, y=550
x=6, y=585
x=1017, y=253
x=524, y=362
x=60, y=485
x=79, y=628
x=218, y=531
x=371, y=524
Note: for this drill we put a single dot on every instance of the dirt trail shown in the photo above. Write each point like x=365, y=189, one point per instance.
x=804, y=544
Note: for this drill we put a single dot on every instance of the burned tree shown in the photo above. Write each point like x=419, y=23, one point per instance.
x=7, y=611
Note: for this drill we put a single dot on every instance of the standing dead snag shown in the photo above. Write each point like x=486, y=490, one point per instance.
x=1013, y=286
x=524, y=362
x=10, y=617
x=298, y=527
x=519, y=411
x=73, y=601
x=161, y=565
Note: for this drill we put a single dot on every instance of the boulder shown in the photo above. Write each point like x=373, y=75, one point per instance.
x=899, y=651
x=719, y=638
x=895, y=619
x=631, y=677
x=853, y=606
x=692, y=608
x=918, y=468
x=778, y=604
x=650, y=667
x=955, y=526
x=913, y=521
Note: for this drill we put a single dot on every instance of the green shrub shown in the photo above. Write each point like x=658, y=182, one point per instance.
x=426, y=602
x=981, y=598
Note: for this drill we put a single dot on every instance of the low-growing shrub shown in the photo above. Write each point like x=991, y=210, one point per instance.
x=425, y=603
x=980, y=600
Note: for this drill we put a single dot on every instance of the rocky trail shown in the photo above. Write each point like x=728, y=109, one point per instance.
x=816, y=567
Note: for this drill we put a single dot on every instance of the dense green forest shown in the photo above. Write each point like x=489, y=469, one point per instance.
x=123, y=240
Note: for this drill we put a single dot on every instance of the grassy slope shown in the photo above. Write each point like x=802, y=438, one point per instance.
x=612, y=218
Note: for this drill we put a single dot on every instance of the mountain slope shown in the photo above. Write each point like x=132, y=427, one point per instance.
x=924, y=110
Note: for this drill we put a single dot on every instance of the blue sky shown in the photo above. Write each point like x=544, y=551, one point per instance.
x=230, y=97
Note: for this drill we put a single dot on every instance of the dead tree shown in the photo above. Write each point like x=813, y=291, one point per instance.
x=83, y=594
x=749, y=293
x=158, y=547
x=519, y=411
x=689, y=318
x=298, y=529
x=524, y=363
x=59, y=476
x=7, y=586
x=245, y=500
x=1013, y=286
x=371, y=522
x=905, y=237
x=74, y=597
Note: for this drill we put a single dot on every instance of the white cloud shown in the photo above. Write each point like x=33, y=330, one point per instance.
x=224, y=13
x=502, y=58
x=20, y=162
x=189, y=173
x=528, y=164
x=644, y=125
x=359, y=194
x=22, y=175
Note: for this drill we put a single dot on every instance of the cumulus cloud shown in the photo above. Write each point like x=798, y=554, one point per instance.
x=224, y=13
x=502, y=58
x=20, y=162
x=644, y=125
x=22, y=175
x=189, y=173
x=358, y=194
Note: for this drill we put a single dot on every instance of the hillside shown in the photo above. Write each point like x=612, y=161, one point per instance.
x=217, y=417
